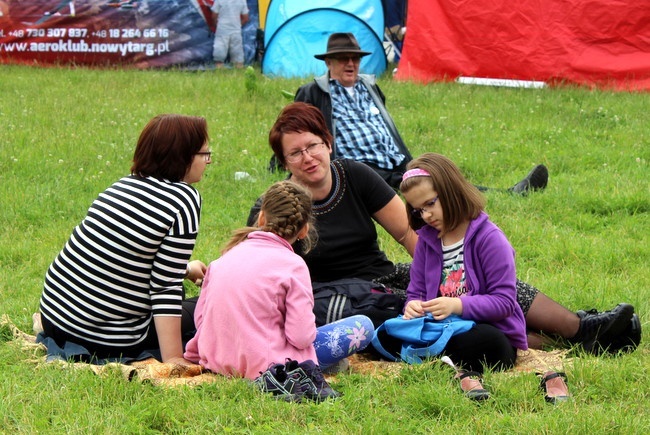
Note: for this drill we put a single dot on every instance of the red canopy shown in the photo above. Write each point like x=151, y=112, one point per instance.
x=601, y=43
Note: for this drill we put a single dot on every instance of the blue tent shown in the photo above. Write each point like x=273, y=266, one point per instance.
x=296, y=30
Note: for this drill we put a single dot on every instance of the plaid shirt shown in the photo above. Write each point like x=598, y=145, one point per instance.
x=361, y=133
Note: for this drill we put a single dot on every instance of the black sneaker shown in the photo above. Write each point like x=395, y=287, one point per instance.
x=595, y=327
x=627, y=341
x=537, y=179
x=276, y=381
x=312, y=380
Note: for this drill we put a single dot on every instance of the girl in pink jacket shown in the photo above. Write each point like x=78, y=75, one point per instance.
x=256, y=303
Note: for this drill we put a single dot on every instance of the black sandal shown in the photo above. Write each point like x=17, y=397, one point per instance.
x=471, y=384
x=554, y=384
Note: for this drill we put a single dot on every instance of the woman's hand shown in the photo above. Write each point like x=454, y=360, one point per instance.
x=413, y=309
x=443, y=307
x=196, y=271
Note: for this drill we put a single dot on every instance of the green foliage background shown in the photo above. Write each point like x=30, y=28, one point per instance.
x=66, y=134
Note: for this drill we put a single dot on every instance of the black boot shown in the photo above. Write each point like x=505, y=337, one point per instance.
x=537, y=179
x=626, y=341
x=597, y=329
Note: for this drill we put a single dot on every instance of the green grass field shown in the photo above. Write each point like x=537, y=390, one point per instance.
x=66, y=134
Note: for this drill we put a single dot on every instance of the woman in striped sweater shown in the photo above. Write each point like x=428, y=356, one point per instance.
x=116, y=288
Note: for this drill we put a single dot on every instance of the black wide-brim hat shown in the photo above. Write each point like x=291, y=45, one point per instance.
x=342, y=43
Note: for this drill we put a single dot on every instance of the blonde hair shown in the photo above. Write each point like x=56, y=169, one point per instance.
x=459, y=199
x=287, y=208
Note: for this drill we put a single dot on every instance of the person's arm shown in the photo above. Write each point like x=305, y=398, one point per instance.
x=300, y=321
x=168, y=330
x=416, y=292
x=215, y=19
x=393, y=218
x=166, y=292
x=494, y=261
x=166, y=282
x=244, y=19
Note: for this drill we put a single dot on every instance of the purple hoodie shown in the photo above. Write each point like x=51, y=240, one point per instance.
x=489, y=276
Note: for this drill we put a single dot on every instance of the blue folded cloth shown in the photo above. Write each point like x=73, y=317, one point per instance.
x=75, y=352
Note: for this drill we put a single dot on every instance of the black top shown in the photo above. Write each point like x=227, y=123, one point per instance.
x=347, y=244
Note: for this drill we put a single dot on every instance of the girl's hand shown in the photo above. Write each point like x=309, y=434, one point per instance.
x=443, y=307
x=413, y=309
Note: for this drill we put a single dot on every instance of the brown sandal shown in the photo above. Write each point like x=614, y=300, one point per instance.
x=554, y=384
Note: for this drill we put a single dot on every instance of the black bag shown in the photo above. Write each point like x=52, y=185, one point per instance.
x=336, y=300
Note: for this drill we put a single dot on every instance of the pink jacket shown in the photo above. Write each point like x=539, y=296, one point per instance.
x=255, y=308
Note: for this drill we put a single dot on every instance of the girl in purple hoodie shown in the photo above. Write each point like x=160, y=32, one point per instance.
x=464, y=265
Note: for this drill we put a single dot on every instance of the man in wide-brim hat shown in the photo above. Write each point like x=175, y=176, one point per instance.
x=363, y=129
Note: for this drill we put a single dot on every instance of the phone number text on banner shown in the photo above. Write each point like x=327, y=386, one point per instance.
x=154, y=33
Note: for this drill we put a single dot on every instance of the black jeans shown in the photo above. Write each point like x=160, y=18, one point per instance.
x=150, y=343
x=482, y=346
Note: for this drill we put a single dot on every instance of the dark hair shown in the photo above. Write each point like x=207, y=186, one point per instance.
x=459, y=199
x=287, y=208
x=167, y=145
x=297, y=118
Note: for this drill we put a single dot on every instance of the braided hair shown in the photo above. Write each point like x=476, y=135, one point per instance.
x=287, y=208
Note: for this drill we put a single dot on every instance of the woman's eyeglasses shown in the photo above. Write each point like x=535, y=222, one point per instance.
x=312, y=149
x=206, y=154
